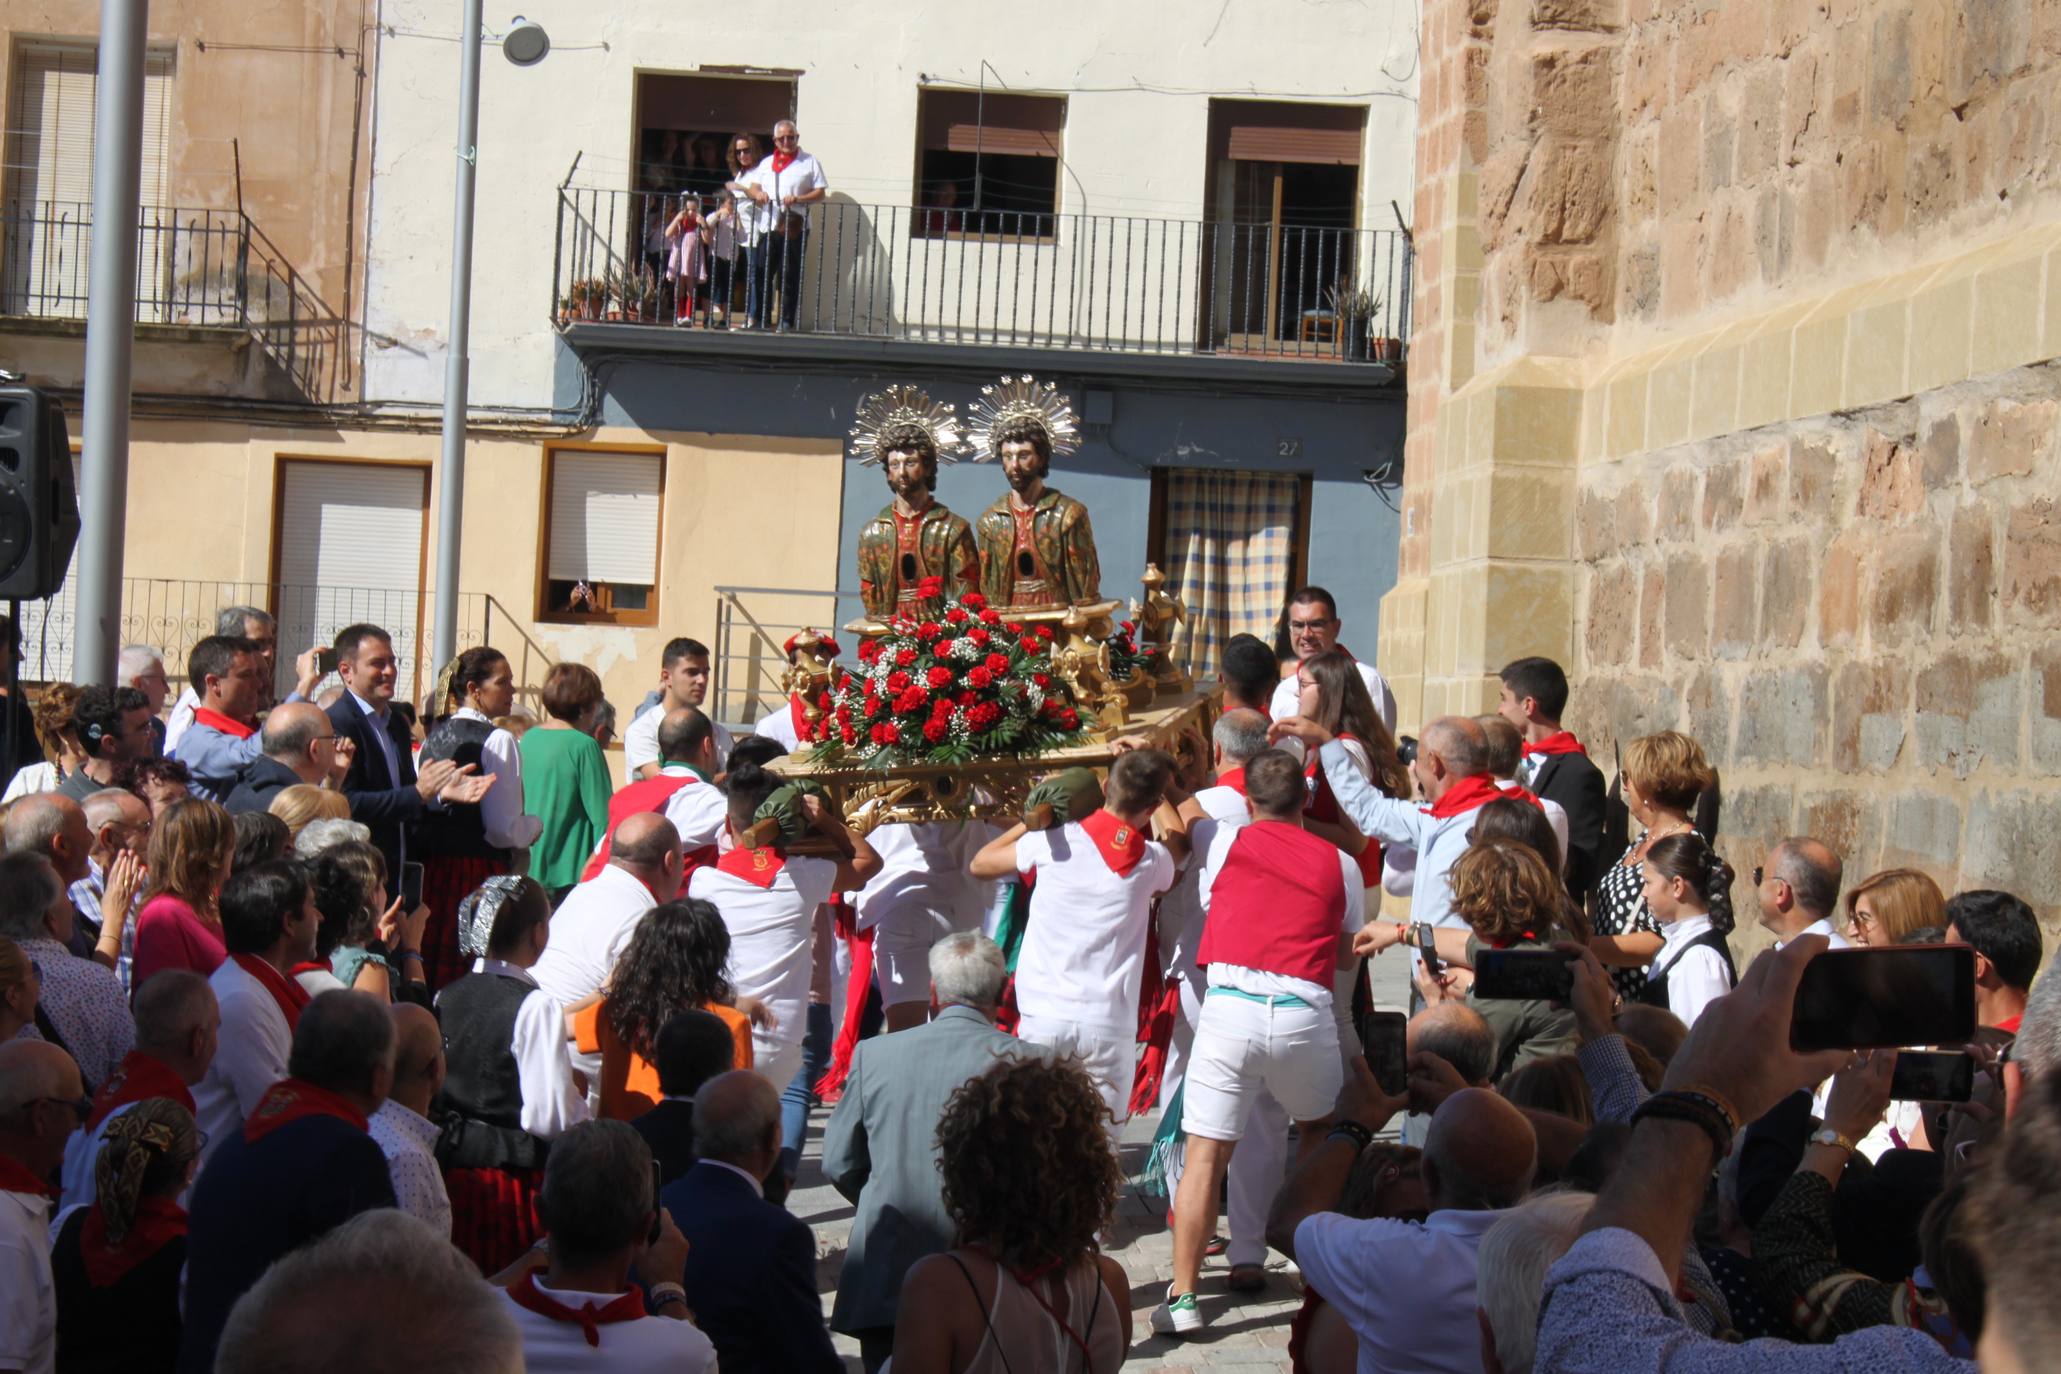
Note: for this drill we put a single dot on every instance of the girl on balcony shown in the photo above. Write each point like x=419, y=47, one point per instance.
x=686, y=258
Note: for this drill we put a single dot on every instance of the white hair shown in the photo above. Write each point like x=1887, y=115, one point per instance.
x=2037, y=1050
x=326, y=832
x=967, y=969
x=307, y=1314
x=1511, y=1265
x=135, y=661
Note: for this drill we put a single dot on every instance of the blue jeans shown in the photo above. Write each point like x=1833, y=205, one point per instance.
x=800, y=1094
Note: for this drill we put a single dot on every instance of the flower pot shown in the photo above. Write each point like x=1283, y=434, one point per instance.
x=1388, y=350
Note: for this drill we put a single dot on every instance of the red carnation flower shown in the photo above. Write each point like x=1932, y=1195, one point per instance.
x=967, y=698
x=889, y=733
x=869, y=650
x=929, y=630
x=905, y=657
x=898, y=681
x=1053, y=706
x=823, y=701
x=1042, y=679
x=930, y=587
x=941, y=708
x=1044, y=632
x=940, y=677
x=978, y=636
x=1029, y=645
x=983, y=716
x=935, y=729
x=851, y=736
x=1069, y=719
x=980, y=679
x=872, y=707
x=915, y=699
x=1127, y=627
x=998, y=663
x=990, y=618
x=973, y=601
x=955, y=616
x=1013, y=628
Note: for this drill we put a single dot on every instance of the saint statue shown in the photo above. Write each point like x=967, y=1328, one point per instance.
x=914, y=546
x=1037, y=547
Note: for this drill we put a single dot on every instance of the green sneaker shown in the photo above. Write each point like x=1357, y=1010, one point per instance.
x=1177, y=1316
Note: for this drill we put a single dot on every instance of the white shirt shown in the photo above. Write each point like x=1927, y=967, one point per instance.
x=923, y=883
x=182, y=716
x=588, y=934
x=640, y=741
x=1823, y=927
x=1438, y=841
x=501, y=810
x=802, y=175
x=758, y=1186
x=778, y=725
x=28, y=1293
x=770, y=933
x=552, y=1102
x=1288, y=696
x=699, y=811
x=250, y=1054
x=632, y=1347
x=1695, y=979
x=81, y=1155
x=408, y=1140
x=32, y=779
x=1556, y=816
x=1083, y=952
x=1406, y=1288
x=385, y=741
x=1181, y=912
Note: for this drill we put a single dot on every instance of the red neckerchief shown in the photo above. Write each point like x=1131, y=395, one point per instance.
x=293, y=1099
x=759, y=867
x=1522, y=793
x=782, y=161
x=1559, y=742
x=158, y=1221
x=2010, y=1023
x=16, y=1178
x=313, y=964
x=628, y=1307
x=1469, y=793
x=1235, y=780
x=290, y=996
x=1121, y=843
x=215, y=720
x=1522, y=936
x=140, y=1076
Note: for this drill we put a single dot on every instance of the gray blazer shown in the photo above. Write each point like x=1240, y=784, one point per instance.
x=880, y=1151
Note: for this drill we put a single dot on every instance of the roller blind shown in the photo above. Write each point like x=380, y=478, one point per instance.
x=1271, y=131
x=50, y=124
x=962, y=122
x=604, y=517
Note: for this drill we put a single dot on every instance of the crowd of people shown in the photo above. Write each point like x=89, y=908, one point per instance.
x=335, y=1037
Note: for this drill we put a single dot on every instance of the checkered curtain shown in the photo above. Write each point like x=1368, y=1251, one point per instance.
x=1229, y=539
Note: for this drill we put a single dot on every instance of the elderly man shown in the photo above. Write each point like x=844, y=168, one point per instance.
x=42, y=1102
x=112, y=724
x=82, y=1007
x=401, y=1126
x=1511, y=1267
x=301, y=1165
x=55, y=826
x=751, y=1265
x=878, y=1148
x=119, y=823
x=143, y=668
x=300, y=746
x=1408, y=1290
x=1313, y=626
x=177, y=1026
x=595, y=921
x=779, y=190
x=1456, y=1033
x=1798, y=891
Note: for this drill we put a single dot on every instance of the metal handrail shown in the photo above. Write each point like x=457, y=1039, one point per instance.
x=747, y=656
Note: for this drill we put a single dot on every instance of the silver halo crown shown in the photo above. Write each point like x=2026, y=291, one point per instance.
x=884, y=412
x=1016, y=398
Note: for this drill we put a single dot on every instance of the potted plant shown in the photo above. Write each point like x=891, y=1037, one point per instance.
x=1355, y=309
x=1388, y=349
x=587, y=298
x=640, y=294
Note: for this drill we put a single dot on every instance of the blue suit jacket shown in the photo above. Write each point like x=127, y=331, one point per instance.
x=751, y=1275
x=385, y=804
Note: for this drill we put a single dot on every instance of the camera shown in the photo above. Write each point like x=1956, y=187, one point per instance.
x=1406, y=750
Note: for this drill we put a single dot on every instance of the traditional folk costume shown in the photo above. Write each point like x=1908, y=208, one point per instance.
x=465, y=844
x=508, y=1092
x=911, y=564
x=1041, y=555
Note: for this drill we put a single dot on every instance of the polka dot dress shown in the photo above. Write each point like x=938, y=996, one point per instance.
x=1621, y=910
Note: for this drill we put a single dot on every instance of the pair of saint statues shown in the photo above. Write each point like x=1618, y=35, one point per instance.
x=1033, y=549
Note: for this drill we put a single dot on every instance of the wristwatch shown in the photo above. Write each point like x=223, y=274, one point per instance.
x=1828, y=1136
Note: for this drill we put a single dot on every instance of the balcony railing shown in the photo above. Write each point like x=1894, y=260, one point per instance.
x=1102, y=282
x=203, y=269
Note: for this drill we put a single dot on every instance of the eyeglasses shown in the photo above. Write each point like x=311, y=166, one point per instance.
x=83, y=1106
x=1309, y=624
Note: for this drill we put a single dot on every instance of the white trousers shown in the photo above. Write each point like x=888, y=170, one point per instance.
x=1110, y=1056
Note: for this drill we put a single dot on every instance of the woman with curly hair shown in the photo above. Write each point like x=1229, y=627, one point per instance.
x=674, y=962
x=62, y=756
x=192, y=845
x=1029, y=1181
x=365, y=943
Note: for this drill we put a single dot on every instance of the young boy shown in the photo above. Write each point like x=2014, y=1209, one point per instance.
x=1082, y=963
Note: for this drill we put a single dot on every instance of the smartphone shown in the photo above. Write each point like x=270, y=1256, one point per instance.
x=1539, y=975
x=658, y=1215
x=1932, y=1076
x=1382, y=1040
x=1853, y=999
x=411, y=886
x=1427, y=949
x=325, y=661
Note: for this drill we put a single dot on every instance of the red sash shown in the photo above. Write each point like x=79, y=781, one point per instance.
x=1120, y=843
x=159, y=1220
x=651, y=794
x=215, y=720
x=759, y=867
x=628, y=1307
x=140, y=1076
x=16, y=1178
x=1469, y=794
x=1560, y=742
x=293, y=1099
x=290, y=996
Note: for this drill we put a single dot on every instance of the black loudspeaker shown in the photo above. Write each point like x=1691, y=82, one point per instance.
x=39, y=508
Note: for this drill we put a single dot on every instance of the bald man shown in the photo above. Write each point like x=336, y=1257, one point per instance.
x=1408, y=1290
x=116, y=819
x=178, y=1023
x=401, y=1126
x=1799, y=890
x=53, y=825
x=301, y=746
x=42, y=1101
x=594, y=923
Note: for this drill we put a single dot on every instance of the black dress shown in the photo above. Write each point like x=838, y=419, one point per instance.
x=130, y=1326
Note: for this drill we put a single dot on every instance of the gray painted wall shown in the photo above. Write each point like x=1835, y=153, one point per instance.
x=1353, y=533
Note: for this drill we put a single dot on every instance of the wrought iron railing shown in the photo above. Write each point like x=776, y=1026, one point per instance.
x=1076, y=281
x=752, y=623
x=196, y=268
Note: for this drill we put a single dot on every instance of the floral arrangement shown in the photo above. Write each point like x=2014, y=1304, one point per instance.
x=1126, y=658
x=965, y=685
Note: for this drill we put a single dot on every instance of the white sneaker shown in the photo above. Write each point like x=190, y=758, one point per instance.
x=1177, y=1316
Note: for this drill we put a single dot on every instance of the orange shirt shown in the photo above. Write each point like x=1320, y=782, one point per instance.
x=629, y=1081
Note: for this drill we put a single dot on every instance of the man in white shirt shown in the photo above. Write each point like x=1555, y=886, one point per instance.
x=922, y=893
x=268, y=924
x=1798, y=890
x=683, y=678
x=42, y=1101
x=1407, y=1288
x=595, y=921
x=779, y=191
x=581, y=1311
x=1505, y=757
x=1313, y=626
x=401, y=1126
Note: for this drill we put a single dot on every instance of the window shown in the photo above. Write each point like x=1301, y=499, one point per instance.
x=685, y=124
x=1232, y=544
x=988, y=163
x=347, y=548
x=601, y=533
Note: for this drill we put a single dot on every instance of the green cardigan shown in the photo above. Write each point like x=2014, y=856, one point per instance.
x=565, y=784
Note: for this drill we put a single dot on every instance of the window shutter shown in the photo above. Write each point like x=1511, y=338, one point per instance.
x=350, y=550
x=604, y=517
x=1020, y=125
x=50, y=157
x=1265, y=131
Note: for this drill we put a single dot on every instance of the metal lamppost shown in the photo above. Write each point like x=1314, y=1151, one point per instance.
x=525, y=45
